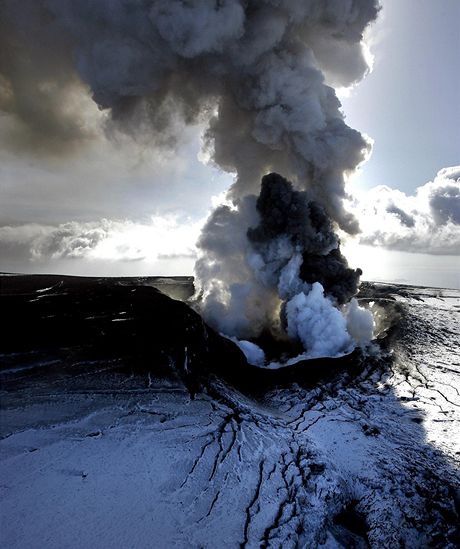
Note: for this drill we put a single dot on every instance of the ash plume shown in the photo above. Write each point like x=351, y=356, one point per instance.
x=285, y=274
x=257, y=72
x=288, y=214
x=252, y=69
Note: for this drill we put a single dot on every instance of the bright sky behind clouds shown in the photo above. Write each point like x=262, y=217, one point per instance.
x=409, y=104
x=152, y=201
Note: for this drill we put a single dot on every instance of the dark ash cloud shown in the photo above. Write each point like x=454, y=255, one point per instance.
x=253, y=69
x=288, y=214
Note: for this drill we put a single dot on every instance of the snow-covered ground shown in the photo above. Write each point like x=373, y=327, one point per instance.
x=367, y=457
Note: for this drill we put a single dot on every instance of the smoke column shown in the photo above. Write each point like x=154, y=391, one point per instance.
x=273, y=264
x=255, y=71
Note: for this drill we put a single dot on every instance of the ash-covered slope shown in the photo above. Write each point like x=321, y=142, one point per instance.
x=103, y=444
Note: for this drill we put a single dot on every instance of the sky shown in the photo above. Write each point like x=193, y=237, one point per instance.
x=79, y=196
x=409, y=103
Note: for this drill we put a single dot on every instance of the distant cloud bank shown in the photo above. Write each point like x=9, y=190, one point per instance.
x=426, y=222
x=123, y=241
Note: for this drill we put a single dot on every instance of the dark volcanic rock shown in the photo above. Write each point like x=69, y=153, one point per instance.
x=71, y=319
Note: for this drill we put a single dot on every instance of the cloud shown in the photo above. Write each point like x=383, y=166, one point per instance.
x=106, y=240
x=45, y=105
x=405, y=218
x=426, y=222
x=112, y=180
x=70, y=240
x=189, y=255
x=72, y=73
x=444, y=196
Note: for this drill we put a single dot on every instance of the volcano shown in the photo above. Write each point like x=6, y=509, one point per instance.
x=128, y=421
